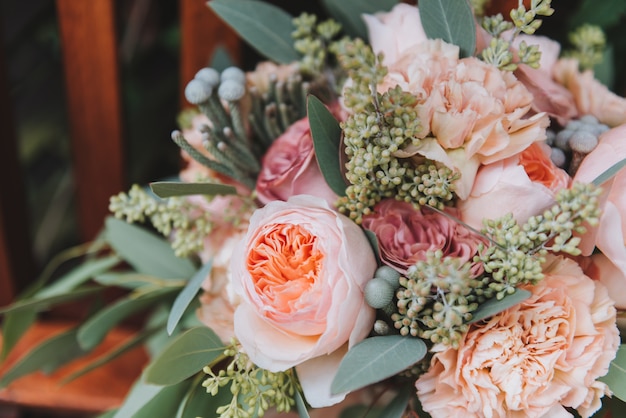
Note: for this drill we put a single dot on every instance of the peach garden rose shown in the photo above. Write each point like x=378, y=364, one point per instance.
x=610, y=235
x=523, y=185
x=300, y=272
x=533, y=359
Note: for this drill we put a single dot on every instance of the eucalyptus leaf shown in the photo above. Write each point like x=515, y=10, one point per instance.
x=608, y=174
x=375, y=359
x=14, y=326
x=146, y=252
x=92, y=332
x=326, y=134
x=111, y=355
x=128, y=280
x=349, y=13
x=264, y=26
x=46, y=356
x=149, y=401
x=40, y=304
x=78, y=276
x=452, y=21
x=185, y=356
x=108, y=414
x=361, y=411
x=494, y=306
x=303, y=412
x=397, y=406
x=616, y=377
x=186, y=296
x=172, y=188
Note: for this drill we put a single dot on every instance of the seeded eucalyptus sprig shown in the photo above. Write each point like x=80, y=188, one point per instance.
x=380, y=125
x=254, y=390
x=175, y=217
x=589, y=43
x=312, y=40
x=518, y=253
x=523, y=20
x=435, y=300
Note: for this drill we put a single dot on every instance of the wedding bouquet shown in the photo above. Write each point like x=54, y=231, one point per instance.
x=431, y=222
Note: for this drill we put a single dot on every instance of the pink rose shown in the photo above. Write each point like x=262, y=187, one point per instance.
x=523, y=185
x=394, y=32
x=590, y=96
x=405, y=235
x=290, y=168
x=610, y=235
x=533, y=359
x=300, y=272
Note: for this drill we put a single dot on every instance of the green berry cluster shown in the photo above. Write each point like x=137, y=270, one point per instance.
x=174, y=217
x=254, y=390
x=589, y=43
x=312, y=40
x=379, y=127
x=518, y=252
x=523, y=20
x=435, y=300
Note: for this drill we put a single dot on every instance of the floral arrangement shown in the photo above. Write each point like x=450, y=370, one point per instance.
x=428, y=223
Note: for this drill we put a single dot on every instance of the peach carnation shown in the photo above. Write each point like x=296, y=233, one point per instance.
x=533, y=359
x=465, y=104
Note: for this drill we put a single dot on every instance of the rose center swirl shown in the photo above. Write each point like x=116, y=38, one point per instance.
x=284, y=265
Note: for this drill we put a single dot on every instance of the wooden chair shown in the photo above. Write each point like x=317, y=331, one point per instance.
x=91, y=67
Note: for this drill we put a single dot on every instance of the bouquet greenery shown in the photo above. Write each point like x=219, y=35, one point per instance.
x=406, y=211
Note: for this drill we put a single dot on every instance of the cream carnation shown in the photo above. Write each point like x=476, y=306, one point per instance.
x=533, y=359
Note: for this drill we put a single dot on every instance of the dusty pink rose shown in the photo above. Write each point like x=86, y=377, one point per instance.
x=523, y=185
x=406, y=234
x=533, y=359
x=590, y=96
x=465, y=105
x=300, y=272
x=610, y=235
x=289, y=168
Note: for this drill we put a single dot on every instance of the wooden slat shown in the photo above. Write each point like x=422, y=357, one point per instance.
x=201, y=33
x=89, y=47
x=15, y=251
x=95, y=392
